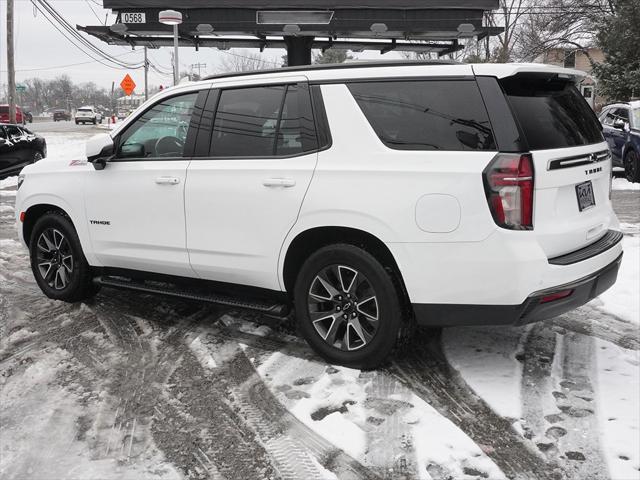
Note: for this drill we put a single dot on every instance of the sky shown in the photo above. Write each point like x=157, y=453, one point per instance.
x=41, y=51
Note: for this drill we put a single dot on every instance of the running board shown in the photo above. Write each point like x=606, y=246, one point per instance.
x=273, y=309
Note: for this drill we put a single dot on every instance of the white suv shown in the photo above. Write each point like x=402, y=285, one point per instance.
x=88, y=115
x=367, y=198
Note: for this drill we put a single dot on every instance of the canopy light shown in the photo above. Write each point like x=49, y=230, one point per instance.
x=204, y=29
x=118, y=28
x=379, y=28
x=291, y=30
x=466, y=28
x=302, y=17
x=170, y=17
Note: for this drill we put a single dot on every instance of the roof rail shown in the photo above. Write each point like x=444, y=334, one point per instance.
x=336, y=66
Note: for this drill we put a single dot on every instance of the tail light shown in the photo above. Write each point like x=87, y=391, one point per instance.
x=508, y=182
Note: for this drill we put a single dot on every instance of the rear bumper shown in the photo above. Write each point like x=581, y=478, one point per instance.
x=531, y=310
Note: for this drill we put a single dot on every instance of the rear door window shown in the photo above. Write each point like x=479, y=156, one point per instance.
x=265, y=121
x=426, y=114
x=551, y=112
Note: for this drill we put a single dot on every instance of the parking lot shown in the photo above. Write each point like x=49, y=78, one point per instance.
x=132, y=386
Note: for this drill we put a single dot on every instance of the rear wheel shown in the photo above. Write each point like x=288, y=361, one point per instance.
x=632, y=166
x=348, y=307
x=57, y=260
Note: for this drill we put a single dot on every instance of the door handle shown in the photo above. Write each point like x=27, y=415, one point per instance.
x=279, y=182
x=167, y=180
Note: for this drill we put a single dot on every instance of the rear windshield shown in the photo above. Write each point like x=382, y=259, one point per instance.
x=426, y=114
x=552, y=113
x=84, y=110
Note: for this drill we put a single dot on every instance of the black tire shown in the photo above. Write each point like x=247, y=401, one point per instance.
x=77, y=122
x=632, y=166
x=95, y=121
x=60, y=278
x=392, y=327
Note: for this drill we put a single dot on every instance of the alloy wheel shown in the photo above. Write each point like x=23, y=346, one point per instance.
x=343, y=307
x=54, y=258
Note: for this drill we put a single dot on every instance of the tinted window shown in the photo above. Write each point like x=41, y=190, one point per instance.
x=551, y=113
x=161, y=131
x=623, y=114
x=296, y=133
x=246, y=121
x=14, y=132
x=263, y=122
x=2, y=134
x=426, y=115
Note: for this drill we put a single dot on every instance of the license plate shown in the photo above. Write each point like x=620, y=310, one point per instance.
x=586, y=199
x=134, y=17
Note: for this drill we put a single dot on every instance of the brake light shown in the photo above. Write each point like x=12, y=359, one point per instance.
x=509, y=181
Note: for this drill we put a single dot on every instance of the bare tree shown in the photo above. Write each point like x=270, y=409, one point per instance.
x=562, y=24
x=243, y=61
x=509, y=16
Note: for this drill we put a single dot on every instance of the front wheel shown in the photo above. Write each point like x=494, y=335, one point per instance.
x=349, y=308
x=57, y=261
x=632, y=166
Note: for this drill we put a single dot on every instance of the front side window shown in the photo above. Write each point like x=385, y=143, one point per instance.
x=161, y=131
x=263, y=121
x=426, y=114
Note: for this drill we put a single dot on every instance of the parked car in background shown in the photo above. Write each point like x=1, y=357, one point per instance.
x=19, y=147
x=28, y=117
x=60, y=115
x=364, y=197
x=621, y=127
x=4, y=114
x=88, y=115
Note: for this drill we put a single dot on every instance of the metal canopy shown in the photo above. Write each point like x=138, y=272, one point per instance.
x=382, y=25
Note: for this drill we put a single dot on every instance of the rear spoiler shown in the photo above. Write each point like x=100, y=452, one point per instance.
x=510, y=69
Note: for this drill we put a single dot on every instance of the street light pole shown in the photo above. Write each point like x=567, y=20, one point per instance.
x=176, y=65
x=172, y=17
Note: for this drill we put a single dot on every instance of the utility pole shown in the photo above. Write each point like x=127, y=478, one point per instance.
x=146, y=76
x=198, y=66
x=11, y=69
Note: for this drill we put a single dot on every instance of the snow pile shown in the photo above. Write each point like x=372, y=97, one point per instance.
x=618, y=380
x=623, y=184
x=623, y=299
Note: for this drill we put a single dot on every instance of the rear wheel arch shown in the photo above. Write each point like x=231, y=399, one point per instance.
x=310, y=241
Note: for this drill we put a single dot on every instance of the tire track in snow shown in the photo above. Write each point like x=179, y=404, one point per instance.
x=278, y=428
x=589, y=320
x=425, y=371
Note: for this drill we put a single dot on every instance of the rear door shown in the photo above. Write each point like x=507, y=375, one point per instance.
x=572, y=163
x=255, y=155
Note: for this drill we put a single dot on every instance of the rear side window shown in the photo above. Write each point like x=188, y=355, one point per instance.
x=426, y=114
x=264, y=121
x=551, y=113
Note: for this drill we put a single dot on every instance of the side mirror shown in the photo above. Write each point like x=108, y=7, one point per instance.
x=99, y=150
x=131, y=150
x=619, y=124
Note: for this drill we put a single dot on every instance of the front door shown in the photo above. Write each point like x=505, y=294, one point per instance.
x=244, y=193
x=135, y=206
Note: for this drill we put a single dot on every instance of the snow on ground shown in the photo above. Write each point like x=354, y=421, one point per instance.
x=623, y=299
x=618, y=382
x=486, y=358
x=340, y=405
x=623, y=184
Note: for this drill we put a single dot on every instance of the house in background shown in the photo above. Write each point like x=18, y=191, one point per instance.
x=580, y=59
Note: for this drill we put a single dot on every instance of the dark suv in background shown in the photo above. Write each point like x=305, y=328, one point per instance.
x=621, y=128
x=60, y=115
